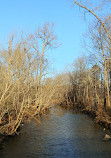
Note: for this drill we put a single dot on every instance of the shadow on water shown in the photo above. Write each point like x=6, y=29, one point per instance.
x=62, y=133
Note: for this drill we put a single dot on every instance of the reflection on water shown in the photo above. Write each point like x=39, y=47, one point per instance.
x=61, y=134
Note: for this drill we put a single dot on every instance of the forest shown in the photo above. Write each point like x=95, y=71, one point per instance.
x=25, y=90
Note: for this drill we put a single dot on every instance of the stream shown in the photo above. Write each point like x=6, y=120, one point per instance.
x=61, y=133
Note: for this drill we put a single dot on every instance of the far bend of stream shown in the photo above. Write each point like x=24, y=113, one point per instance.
x=61, y=134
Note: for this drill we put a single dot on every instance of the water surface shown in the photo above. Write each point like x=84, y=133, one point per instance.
x=61, y=134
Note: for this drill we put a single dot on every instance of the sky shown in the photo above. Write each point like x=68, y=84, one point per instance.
x=27, y=15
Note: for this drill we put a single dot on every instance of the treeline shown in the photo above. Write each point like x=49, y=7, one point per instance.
x=90, y=91
x=24, y=92
x=91, y=75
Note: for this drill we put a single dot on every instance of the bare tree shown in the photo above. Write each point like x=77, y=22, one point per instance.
x=103, y=31
x=23, y=92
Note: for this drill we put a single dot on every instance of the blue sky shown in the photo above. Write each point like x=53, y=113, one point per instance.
x=27, y=15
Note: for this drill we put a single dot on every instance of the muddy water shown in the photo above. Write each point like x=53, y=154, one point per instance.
x=61, y=134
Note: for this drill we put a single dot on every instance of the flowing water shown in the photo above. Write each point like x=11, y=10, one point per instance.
x=61, y=134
